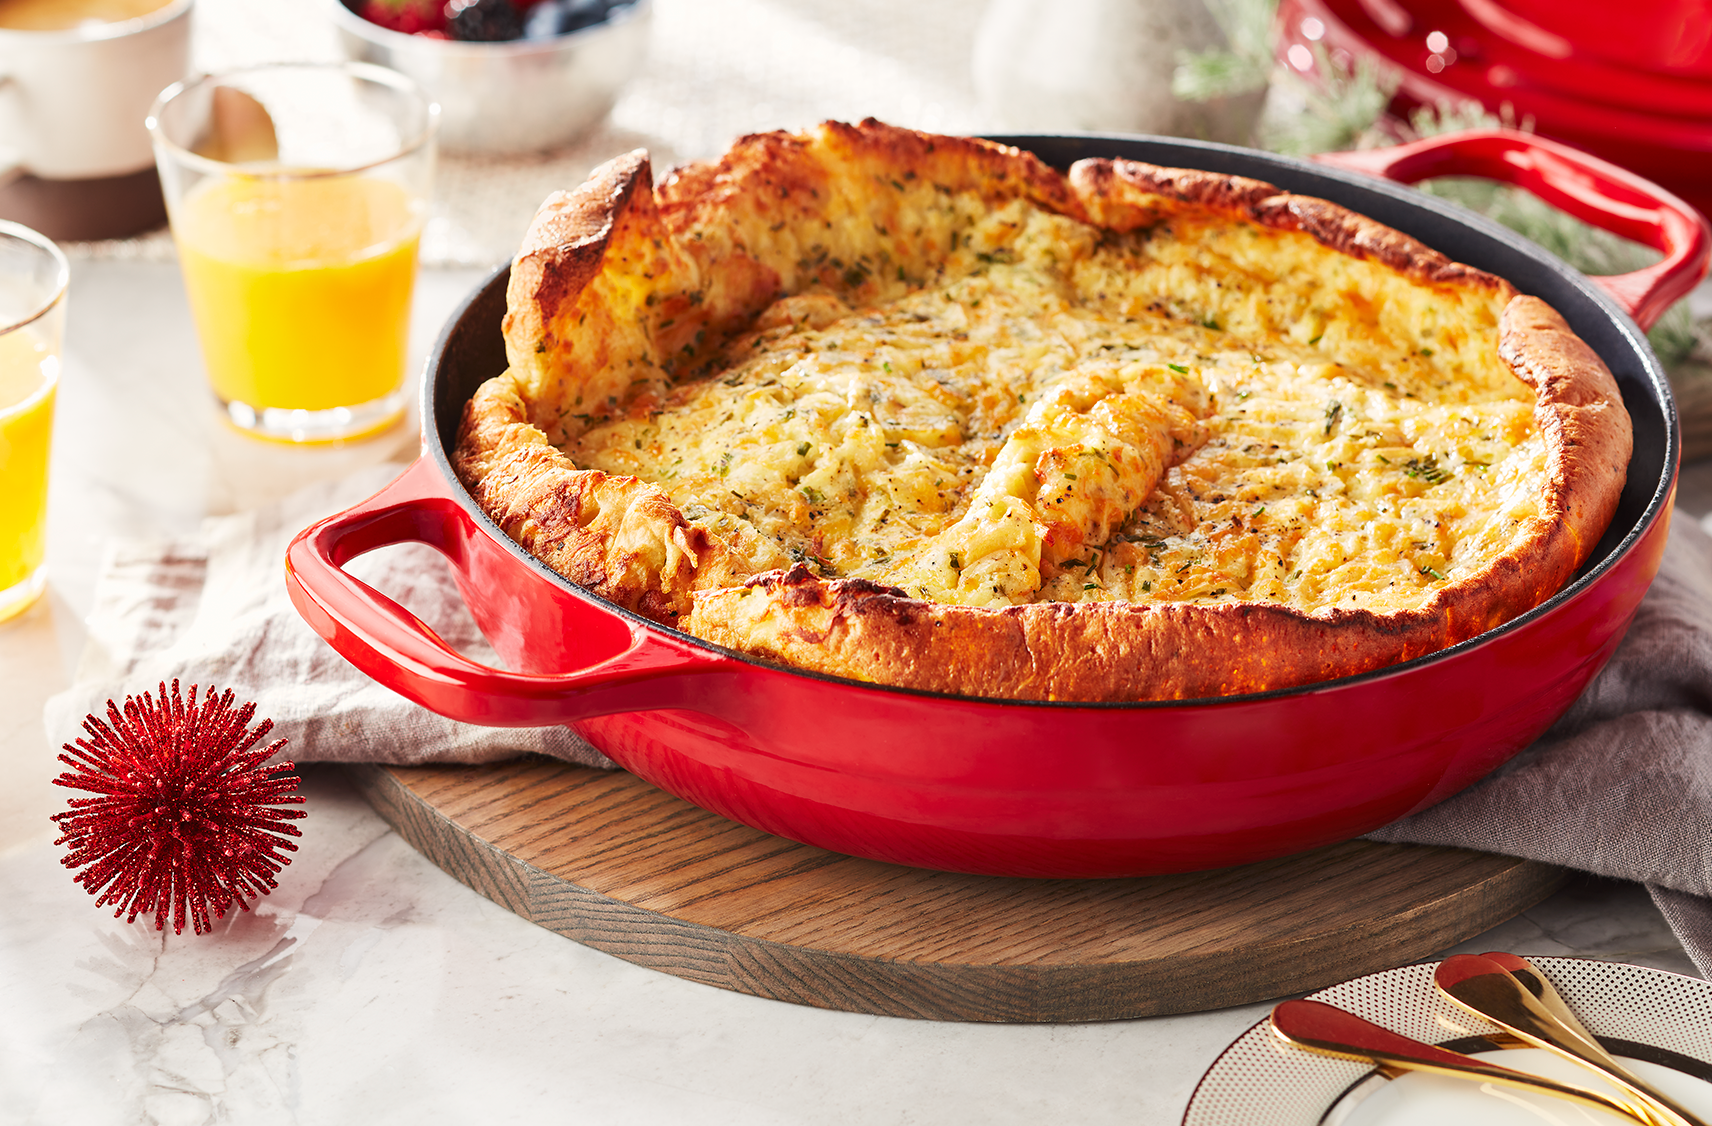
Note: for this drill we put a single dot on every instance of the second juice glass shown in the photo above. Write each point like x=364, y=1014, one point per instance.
x=297, y=195
x=33, y=276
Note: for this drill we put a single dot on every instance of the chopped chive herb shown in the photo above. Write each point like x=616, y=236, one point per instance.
x=1179, y=368
x=1435, y=574
x=1427, y=469
x=1334, y=412
x=802, y=449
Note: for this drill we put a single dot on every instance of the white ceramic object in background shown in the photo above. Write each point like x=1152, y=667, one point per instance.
x=1046, y=66
x=72, y=102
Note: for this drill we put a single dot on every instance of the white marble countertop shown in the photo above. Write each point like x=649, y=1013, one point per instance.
x=371, y=986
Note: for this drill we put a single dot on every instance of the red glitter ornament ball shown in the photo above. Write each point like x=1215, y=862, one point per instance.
x=185, y=819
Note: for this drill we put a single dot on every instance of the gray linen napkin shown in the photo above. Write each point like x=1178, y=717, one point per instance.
x=1620, y=786
x=212, y=610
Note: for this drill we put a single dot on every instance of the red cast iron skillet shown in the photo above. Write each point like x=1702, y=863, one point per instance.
x=1042, y=789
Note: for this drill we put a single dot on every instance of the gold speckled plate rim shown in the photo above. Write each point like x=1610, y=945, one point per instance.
x=1260, y=1081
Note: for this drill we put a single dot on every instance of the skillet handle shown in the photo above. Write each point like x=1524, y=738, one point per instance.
x=1591, y=189
x=396, y=648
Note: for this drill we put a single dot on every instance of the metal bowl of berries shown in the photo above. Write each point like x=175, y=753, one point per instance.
x=511, y=76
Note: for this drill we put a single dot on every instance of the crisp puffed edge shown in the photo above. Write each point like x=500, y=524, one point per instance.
x=626, y=541
x=615, y=284
x=1125, y=194
x=617, y=289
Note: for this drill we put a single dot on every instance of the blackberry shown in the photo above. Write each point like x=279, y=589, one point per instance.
x=483, y=21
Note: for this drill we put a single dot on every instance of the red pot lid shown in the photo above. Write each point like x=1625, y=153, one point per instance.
x=1628, y=82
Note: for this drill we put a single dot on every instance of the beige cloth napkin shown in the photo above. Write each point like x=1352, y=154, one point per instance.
x=1621, y=786
x=212, y=610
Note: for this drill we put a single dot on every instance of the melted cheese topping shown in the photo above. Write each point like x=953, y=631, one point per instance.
x=1065, y=414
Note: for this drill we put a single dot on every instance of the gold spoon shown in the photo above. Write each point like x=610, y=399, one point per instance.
x=1490, y=988
x=1535, y=982
x=1331, y=1031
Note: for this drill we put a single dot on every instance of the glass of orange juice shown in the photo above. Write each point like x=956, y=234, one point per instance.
x=297, y=195
x=33, y=276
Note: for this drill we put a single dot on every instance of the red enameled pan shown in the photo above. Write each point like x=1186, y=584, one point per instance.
x=1630, y=82
x=1042, y=789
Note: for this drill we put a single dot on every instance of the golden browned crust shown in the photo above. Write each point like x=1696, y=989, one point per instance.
x=617, y=536
x=1587, y=431
x=716, y=243
x=1124, y=194
x=1057, y=651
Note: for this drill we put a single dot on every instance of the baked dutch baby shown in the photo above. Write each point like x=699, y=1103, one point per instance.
x=923, y=411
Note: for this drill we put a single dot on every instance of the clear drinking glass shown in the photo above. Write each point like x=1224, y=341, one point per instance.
x=297, y=195
x=33, y=277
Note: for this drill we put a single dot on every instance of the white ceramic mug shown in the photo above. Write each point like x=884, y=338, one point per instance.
x=73, y=102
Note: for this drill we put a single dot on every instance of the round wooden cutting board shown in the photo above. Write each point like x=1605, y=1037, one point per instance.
x=608, y=860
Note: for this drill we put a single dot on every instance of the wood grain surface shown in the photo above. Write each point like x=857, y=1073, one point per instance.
x=608, y=860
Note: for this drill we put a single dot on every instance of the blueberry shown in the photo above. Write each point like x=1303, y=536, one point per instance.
x=551, y=18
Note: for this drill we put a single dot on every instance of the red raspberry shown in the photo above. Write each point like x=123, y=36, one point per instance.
x=410, y=17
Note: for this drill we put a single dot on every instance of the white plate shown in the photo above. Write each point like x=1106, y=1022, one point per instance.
x=1657, y=1016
